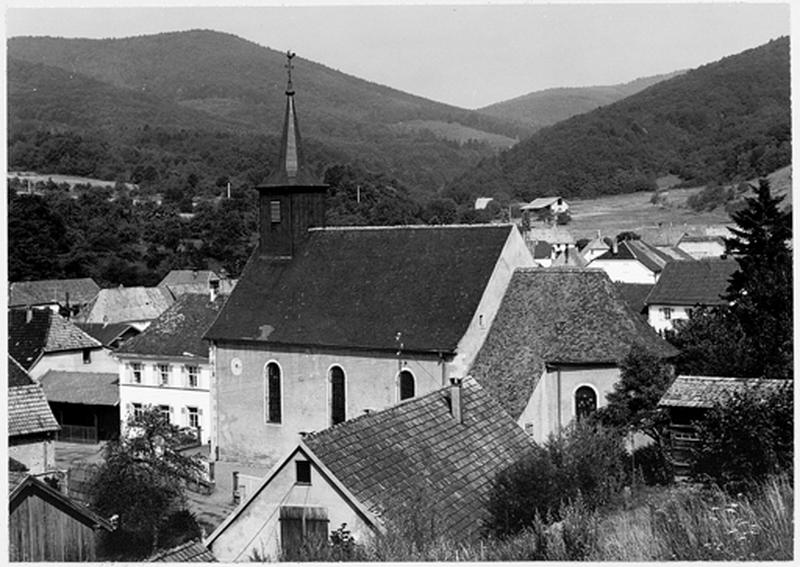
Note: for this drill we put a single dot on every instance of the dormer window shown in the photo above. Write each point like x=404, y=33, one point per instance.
x=275, y=212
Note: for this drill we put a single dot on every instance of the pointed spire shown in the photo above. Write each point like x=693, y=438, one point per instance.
x=291, y=167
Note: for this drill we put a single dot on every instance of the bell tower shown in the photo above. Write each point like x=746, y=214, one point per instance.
x=291, y=200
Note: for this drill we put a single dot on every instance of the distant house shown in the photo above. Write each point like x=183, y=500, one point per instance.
x=69, y=296
x=85, y=404
x=180, y=282
x=558, y=237
x=554, y=350
x=168, y=366
x=110, y=335
x=135, y=305
x=632, y=261
x=596, y=247
x=690, y=397
x=687, y=285
x=41, y=340
x=428, y=461
x=700, y=247
x=544, y=205
x=482, y=202
x=46, y=525
x=31, y=425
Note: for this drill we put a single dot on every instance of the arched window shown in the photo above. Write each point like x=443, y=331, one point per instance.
x=585, y=401
x=273, y=394
x=338, y=401
x=406, y=385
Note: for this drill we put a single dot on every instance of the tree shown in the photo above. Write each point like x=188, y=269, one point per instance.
x=628, y=235
x=633, y=405
x=142, y=480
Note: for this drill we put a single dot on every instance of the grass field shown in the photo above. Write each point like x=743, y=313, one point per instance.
x=34, y=177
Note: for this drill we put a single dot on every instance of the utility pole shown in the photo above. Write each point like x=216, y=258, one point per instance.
x=358, y=194
x=229, y=189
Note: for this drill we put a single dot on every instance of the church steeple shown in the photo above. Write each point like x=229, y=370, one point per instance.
x=292, y=199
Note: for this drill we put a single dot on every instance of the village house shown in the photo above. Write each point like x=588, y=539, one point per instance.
x=168, y=366
x=110, y=335
x=557, y=236
x=41, y=340
x=180, y=282
x=632, y=261
x=46, y=525
x=545, y=207
x=554, y=350
x=68, y=297
x=426, y=463
x=31, y=425
x=684, y=286
x=596, y=247
x=326, y=323
x=482, y=202
x=689, y=398
x=700, y=247
x=134, y=305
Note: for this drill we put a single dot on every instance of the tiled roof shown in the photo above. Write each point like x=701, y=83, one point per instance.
x=15, y=478
x=80, y=290
x=553, y=234
x=121, y=304
x=190, y=552
x=700, y=238
x=45, y=332
x=597, y=243
x=696, y=282
x=541, y=249
x=674, y=253
x=176, y=277
x=178, y=330
x=106, y=334
x=649, y=256
x=87, y=388
x=28, y=410
x=540, y=202
x=557, y=316
x=17, y=376
x=360, y=287
x=706, y=391
x=635, y=295
x=415, y=454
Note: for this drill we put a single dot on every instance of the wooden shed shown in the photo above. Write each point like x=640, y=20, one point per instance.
x=46, y=525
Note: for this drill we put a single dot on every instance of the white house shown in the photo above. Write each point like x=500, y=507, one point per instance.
x=553, y=205
x=425, y=463
x=684, y=286
x=632, y=261
x=700, y=247
x=554, y=351
x=168, y=366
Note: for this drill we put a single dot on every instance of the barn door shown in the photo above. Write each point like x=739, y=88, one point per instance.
x=303, y=529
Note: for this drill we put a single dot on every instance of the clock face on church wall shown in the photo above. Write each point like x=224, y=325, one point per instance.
x=236, y=366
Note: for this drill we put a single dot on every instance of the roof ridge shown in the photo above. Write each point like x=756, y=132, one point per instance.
x=410, y=226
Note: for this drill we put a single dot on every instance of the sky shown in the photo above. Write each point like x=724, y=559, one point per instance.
x=468, y=55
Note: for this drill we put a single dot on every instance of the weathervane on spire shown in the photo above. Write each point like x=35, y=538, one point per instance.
x=289, y=57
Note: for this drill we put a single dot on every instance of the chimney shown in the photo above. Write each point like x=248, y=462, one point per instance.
x=28, y=314
x=455, y=399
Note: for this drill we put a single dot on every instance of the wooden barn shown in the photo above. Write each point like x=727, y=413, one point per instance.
x=46, y=525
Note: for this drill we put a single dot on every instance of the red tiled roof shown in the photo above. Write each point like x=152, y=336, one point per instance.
x=28, y=410
x=360, y=287
x=557, y=316
x=706, y=391
x=416, y=455
x=698, y=282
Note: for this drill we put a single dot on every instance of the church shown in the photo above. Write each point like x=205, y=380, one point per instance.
x=329, y=323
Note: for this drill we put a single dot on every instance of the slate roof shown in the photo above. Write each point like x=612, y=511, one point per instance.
x=87, y=388
x=105, y=333
x=649, y=256
x=80, y=290
x=358, y=287
x=634, y=295
x=178, y=330
x=190, y=552
x=557, y=316
x=706, y=391
x=46, y=332
x=122, y=304
x=415, y=454
x=696, y=282
x=28, y=410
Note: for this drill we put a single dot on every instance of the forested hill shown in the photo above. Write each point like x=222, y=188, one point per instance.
x=723, y=121
x=225, y=83
x=544, y=108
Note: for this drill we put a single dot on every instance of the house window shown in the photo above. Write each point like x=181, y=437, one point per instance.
x=87, y=356
x=164, y=411
x=303, y=472
x=338, y=402
x=194, y=417
x=273, y=401
x=163, y=372
x=193, y=372
x=275, y=211
x=136, y=373
x=667, y=311
x=406, y=385
x=138, y=411
x=585, y=401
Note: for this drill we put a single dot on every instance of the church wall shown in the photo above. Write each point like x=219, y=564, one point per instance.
x=371, y=383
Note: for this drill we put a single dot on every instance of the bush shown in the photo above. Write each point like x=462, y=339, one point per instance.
x=177, y=528
x=653, y=466
x=745, y=439
x=710, y=197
